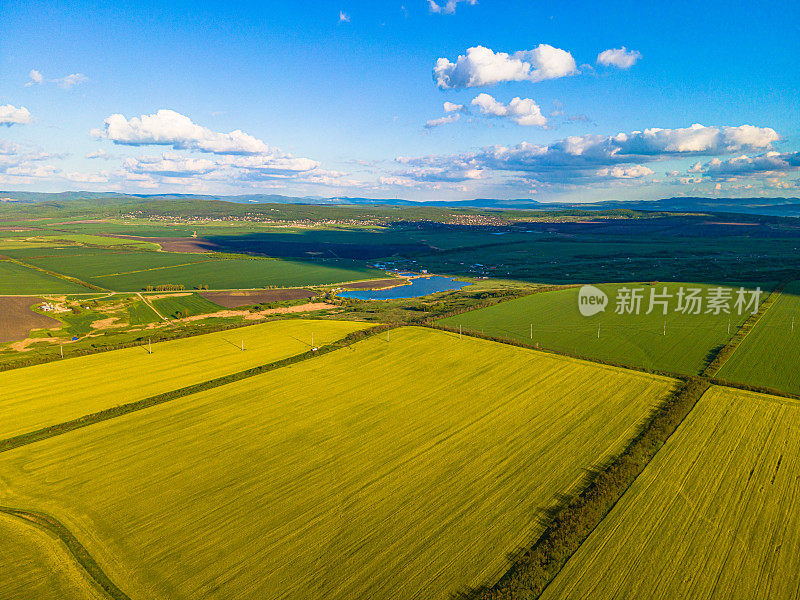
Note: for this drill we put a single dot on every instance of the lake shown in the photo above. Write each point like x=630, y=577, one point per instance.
x=418, y=287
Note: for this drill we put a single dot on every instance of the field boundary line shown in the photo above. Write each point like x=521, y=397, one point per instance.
x=78, y=551
x=106, y=414
x=577, y=516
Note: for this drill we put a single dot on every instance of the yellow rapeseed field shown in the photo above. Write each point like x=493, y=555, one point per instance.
x=407, y=468
x=714, y=515
x=51, y=393
x=36, y=566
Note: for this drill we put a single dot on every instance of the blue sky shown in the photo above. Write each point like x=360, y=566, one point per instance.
x=345, y=98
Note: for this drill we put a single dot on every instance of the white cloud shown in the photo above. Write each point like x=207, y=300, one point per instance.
x=170, y=128
x=68, y=82
x=482, y=67
x=71, y=80
x=99, y=153
x=343, y=17
x=522, y=111
x=451, y=118
x=769, y=163
x=35, y=78
x=448, y=7
x=590, y=157
x=11, y=115
x=452, y=107
x=623, y=172
x=621, y=58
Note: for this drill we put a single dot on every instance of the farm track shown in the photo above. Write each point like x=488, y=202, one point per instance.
x=78, y=551
x=124, y=409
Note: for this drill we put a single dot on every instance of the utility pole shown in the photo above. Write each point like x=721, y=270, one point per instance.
x=665, y=327
x=459, y=332
x=149, y=347
x=729, y=325
x=243, y=345
x=62, y=350
x=792, y=322
x=531, y=330
x=598, y=331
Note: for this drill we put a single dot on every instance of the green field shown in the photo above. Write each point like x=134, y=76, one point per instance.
x=123, y=270
x=35, y=565
x=363, y=473
x=768, y=356
x=713, y=516
x=18, y=279
x=58, y=391
x=636, y=340
x=185, y=306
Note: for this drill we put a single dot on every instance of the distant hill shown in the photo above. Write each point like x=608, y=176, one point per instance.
x=779, y=207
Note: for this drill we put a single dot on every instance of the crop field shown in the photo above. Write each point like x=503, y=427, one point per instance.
x=185, y=305
x=132, y=271
x=234, y=273
x=713, y=516
x=637, y=340
x=18, y=279
x=51, y=393
x=236, y=299
x=34, y=565
x=768, y=356
x=362, y=473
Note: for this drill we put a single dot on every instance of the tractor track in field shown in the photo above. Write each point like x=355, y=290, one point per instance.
x=49, y=524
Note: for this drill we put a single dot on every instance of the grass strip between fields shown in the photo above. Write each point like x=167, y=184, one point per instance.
x=53, y=526
x=575, y=518
x=124, y=409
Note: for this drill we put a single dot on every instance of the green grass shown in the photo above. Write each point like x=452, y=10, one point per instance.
x=58, y=391
x=767, y=357
x=16, y=279
x=235, y=273
x=713, y=516
x=130, y=271
x=363, y=473
x=35, y=565
x=139, y=313
x=636, y=340
x=185, y=306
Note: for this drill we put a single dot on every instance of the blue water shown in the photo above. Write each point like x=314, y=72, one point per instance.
x=418, y=287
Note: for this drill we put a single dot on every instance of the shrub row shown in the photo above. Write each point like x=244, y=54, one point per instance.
x=575, y=518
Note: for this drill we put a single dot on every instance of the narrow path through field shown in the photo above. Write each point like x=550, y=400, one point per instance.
x=150, y=304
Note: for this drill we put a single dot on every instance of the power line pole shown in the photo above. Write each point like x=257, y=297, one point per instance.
x=665, y=327
x=598, y=331
x=242, y=345
x=531, y=330
x=149, y=346
x=62, y=350
x=459, y=332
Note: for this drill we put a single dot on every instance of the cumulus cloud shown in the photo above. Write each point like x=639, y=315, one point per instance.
x=451, y=118
x=99, y=153
x=482, y=66
x=35, y=77
x=622, y=172
x=448, y=7
x=170, y=128
x=590, y=157
x=11, y=115
x=738, y=166
x=522, y=111
x=621, y=58
x=70, y=81
x=343, y=17
x=67, y=82
x=452, y=107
